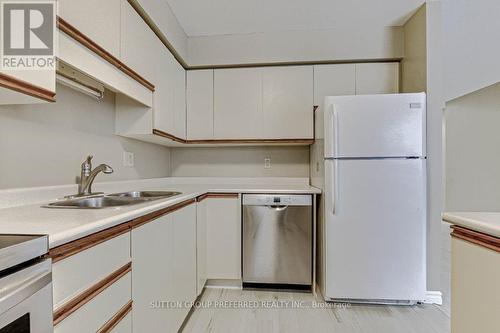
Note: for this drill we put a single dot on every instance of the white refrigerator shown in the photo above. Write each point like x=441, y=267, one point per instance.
x=375, y=198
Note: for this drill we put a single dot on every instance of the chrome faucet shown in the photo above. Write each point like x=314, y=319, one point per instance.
x=88, y=175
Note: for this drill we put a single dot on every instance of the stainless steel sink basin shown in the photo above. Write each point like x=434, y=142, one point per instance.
x=149, y=195
x=112, y=200
x=95, y=202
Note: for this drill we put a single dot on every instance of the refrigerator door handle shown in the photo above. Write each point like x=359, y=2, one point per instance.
x=332, y=195
x=335, y=129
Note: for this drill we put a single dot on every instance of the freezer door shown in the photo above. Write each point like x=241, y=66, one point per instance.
x=375, y=126
x=375, y=229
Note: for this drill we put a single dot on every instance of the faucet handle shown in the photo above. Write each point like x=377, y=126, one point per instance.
x=87, y=165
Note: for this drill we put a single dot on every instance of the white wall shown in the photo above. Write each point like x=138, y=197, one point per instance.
x=349, y=43
x=240, y=162
x=435, y=105
x=473, y=151
x=414, y=63
x=45, y=144
x=471, y=44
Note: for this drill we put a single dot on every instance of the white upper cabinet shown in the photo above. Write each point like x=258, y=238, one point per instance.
x=170, y=99
x=377, y=78
x=99, y=20
x=238, y=103
x=179, y=109
x=288, y=102
x=331, y=80
x=138, y=44
x=200, y=104
x=145, y=53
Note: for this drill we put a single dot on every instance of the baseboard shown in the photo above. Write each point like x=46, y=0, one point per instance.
x=433, y=297
x=223, y=284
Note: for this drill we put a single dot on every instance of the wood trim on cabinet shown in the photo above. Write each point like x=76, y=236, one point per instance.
x=78, y=36
x=232, y=141
x=26, y=88
x=66, y=250
x=168, y=136
x=217, y=195
x=154, y=215
x=83, y=298
x=115, y=320
x=478, y=238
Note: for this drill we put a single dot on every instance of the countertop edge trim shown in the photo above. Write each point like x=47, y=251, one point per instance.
x=475, y=237
x=220, y=195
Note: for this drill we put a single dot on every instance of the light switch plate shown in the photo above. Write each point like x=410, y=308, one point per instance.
x=128, y=159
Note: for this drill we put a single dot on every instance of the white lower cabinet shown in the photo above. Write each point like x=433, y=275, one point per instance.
x=201, y=245
x=475, y=301
x=96, y=313
x=223, y=218
x=152, y=273
x=164, y=271
x=184, y=263
x=124, y=326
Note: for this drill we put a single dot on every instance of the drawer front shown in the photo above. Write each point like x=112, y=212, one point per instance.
x=124, y=326
x=78, y=272
x=98, y=311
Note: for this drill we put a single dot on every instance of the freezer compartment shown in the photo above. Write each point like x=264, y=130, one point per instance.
x=375, y=126
x=375, y=230
x=277, y=241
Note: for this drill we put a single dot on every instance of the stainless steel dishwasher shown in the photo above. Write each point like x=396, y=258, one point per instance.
x=277, y=241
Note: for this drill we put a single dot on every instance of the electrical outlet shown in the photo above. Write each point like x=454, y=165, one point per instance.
x=267, y=163
x=128, y=159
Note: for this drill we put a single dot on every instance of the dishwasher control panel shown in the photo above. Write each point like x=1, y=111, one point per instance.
x=277, y=200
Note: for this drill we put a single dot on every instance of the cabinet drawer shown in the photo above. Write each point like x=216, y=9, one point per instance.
x=76, y=273
x=96, y=313
x=124, y=325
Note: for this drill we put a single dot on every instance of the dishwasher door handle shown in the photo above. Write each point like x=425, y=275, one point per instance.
x=277, y=208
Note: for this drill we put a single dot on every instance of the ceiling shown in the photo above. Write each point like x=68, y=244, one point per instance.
x=220, y=17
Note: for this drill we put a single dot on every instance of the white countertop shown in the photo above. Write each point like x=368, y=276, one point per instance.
x=485, y=222
x=65, y=225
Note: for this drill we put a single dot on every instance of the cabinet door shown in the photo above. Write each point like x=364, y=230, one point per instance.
x=223, y=238
x=475, y=272
x=238, y=103
x=200, y=104
x=201, y=245
x=179, y=76
x=170, y=110
x=331, y=80
x=99, y=20
x=152, y=274
x=138, y=43
x=377, y=78
x=184, y=263
x=288, y=102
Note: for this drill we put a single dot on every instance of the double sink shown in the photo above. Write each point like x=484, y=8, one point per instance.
x=112, y=200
